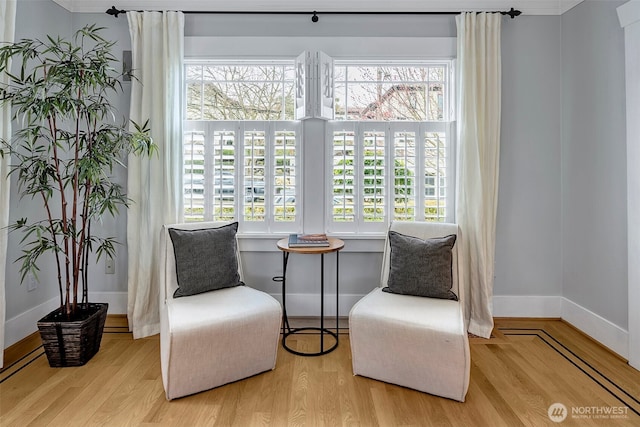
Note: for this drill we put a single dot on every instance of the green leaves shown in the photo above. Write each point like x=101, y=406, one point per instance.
x=67, y=146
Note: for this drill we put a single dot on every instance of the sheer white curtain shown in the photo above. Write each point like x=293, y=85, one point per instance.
x=157, y=40
x=7, y=20
x=479, y=79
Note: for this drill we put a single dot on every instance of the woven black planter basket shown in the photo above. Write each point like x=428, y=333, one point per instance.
x=73, y=342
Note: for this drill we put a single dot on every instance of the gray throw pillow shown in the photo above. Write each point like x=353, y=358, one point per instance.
x=205, y=259
x=421, y=267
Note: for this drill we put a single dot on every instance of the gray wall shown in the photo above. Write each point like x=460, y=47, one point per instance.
x=528, y=246
x=594, y=222
x=37, y=19
x=327, y=25
x=528, y=257
x=34, y=19
x=536, y=200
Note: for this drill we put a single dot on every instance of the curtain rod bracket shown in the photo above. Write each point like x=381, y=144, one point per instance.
x=314, y=18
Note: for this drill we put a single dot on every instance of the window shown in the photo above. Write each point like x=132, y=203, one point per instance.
x=242, y=90
x=387, y=92
x=241, y=147
x=390, y=154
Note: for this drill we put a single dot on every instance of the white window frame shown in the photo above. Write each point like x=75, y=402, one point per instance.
x=407, y=49
x=420, y=129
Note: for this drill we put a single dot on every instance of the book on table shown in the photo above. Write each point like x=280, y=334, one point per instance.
x=308, y=240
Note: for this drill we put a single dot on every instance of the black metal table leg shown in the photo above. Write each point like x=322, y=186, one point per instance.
x=321, y=330
x=283, y=279
x=287, y=331
x=337, y=293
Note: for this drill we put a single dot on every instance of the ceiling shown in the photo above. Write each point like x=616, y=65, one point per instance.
x=528, y=7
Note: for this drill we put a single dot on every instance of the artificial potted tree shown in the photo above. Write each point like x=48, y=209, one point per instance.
x=64, y=154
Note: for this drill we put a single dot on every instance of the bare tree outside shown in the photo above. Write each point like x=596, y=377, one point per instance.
x=383, y=93
x=240, y=92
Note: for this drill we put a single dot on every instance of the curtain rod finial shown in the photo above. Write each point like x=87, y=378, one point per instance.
x=115, y=12
x=512, y=13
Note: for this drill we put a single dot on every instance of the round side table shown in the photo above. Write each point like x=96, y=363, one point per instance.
x=335, y=245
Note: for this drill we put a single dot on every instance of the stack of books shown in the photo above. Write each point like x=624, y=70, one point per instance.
x=308, y=240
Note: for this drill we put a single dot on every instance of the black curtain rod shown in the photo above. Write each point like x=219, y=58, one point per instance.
x=314, y=18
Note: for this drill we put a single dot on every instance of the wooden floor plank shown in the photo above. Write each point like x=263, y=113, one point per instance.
x=516, y=376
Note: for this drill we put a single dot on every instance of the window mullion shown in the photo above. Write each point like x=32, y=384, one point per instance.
x=358, y=172
x=438, y=178
x=420, y=171
x=201, y=93
x=450, y=148
x=239, y=172
x=269, y=174
x=389, y=173
x=209, y=178
x=281, y=91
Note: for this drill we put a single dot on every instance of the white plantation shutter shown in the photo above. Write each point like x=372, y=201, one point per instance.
x=285, y=176
x=343, y=174
x=374, y=177
x=245, y=171
x=303, y=82
x=254, y=164
x=314, y=86
x=404, y=175
x=193, y=178
x=381, y=171
x=325, y=100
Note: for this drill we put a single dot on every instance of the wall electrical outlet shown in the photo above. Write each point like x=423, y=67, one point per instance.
x=109, y=266
x=32, y=283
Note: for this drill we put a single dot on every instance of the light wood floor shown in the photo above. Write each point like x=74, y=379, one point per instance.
x=527, y=366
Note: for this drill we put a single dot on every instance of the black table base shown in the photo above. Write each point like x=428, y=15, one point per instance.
x=287, y=331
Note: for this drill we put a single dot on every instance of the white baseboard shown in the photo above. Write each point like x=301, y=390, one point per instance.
x=503, y=306
x=25, y=324
x=600, y=329
x=527, y=306
x=302, y=305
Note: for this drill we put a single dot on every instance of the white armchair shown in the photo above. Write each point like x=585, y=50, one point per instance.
x=413, y=341
x=213, y=338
